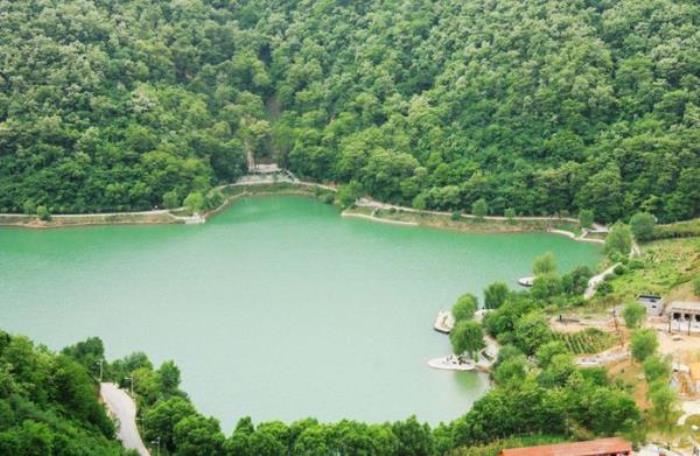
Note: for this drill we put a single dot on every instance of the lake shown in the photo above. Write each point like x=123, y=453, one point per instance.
x=277, y=308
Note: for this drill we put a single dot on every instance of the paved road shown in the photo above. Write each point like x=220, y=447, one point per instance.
x=121, y=406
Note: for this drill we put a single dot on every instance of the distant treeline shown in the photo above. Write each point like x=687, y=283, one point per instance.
x=538, y=107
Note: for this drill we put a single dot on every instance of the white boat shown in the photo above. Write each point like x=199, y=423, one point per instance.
x=452, y=362
x=444, y=322
x=526, y=281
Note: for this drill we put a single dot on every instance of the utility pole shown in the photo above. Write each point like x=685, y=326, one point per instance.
x=131, y=382
x=157, y=443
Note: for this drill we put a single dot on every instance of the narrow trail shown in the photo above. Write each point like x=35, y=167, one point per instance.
x=597, y=279
x=122, y=407
x=581, y=238
x=373, y=204
x=377, y=219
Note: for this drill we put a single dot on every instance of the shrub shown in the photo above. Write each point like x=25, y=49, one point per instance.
x=510, y=215
x=214, y=200
x=620, y=270
x=495, y=295
x=456, y=215
x=465, y=307
x=29, y=207
x=480, y=208
x=194, y=202
x=604, y=288
x=327, y=198
x=43, y=213
x=171, y=199
x=643, y=344
x=634, y=314
x=643, y=225
x=586, y=218
x=544, y=264
x=348, y=194
x=619, y=241
x=546, y=286
x=419, y=202
x=636, y=264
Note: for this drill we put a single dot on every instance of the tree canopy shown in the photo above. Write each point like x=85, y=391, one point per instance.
x=548, y=107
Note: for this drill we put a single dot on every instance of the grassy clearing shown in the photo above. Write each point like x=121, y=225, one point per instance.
x=690, y=228
x=588, y=342
x=665, y=268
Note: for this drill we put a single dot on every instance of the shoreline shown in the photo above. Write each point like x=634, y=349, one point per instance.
x=466, y=223
x=272, y=185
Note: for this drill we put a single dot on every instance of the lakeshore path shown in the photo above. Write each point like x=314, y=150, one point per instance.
x=373, y=204
x=377, y=219
x=597, y=280
x=573, y=236
x=123, y=408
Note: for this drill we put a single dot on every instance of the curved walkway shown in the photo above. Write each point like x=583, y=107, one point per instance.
x=122, y=407
x=689, y=409
x=581, y=238
x=596, y=280
x=373, y=204
x=377, y=219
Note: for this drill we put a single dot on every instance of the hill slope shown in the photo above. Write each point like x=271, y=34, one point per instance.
x=542, y=107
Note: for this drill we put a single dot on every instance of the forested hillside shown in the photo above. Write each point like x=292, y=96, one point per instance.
x=546, y=106
x=48, y=404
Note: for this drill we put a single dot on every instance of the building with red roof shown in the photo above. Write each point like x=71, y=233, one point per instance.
x=614, y=446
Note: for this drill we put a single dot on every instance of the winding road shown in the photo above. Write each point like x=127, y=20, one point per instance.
x=123, y=408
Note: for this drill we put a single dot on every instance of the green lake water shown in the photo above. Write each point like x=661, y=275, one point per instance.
x=277, y=309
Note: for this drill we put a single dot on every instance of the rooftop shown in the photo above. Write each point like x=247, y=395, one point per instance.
x=648, y=298
x=692, y=306
x=600, y=447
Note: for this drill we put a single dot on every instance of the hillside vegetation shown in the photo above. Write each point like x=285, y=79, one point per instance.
x=48, y=404
x=539, y=394
x=541, y=107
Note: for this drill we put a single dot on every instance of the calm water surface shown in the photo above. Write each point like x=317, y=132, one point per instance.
x=277, y=309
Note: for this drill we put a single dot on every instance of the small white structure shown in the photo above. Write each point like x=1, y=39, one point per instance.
x=684, y=316
x=653, y=303
x=270, y=168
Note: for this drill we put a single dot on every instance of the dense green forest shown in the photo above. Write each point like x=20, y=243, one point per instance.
x=48, y=404
x=549, y=106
